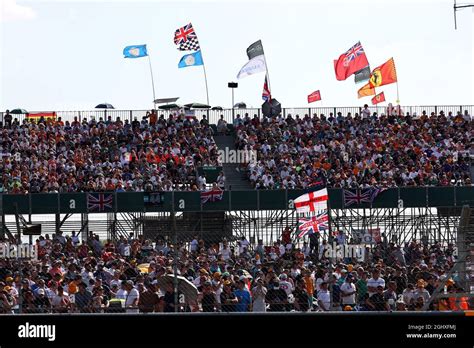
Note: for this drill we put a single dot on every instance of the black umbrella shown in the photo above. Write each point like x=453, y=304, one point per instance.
x=240, y=105
x=104, y=106
x=272, y=108
x=217, y=108
x=197, y=106
x=18, y=111
x=169, y=106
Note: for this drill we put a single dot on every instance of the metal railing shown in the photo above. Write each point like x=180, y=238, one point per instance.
x=230, y=114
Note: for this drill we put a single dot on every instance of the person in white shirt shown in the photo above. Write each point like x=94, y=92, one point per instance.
x=194, y=244
x=75, y=239
x=60, y=301
x=348, y=290
x=375, y=281
x=324, y=297
x=131, y=301
x=122, y=293
x=202, y=182
x=225, y=252
x=243, y=245
x=305, y=249
x=286, y=285
x=282, y=250
x=408, y=294
x=365, y=111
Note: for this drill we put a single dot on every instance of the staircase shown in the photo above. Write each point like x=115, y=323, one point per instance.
x=235, y=180
x=209, y=226
x=465, y=245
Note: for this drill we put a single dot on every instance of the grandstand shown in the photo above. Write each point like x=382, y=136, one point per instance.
x=113, y=189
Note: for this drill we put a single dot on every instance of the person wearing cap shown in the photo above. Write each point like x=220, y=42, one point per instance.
x=7, y=302
x=13, y=291
x=276, y=297
x=228, y=299
x=83, y=298
x=132, y=298
x=377, y=302
x=400, y=306
x=41, y=302
x=208, y=297
x=420, y=291
x=285, y=284
x=348, y=291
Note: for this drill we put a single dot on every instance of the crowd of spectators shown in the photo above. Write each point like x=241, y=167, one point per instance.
x=162, y=154
x=154, y=154
x=357, y=151
x=70, y=275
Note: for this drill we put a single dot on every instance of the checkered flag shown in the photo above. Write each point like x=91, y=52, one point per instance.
x=186, y=39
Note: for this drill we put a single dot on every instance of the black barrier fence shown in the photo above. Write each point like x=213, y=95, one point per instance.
x=109, y=202
x=230, y=114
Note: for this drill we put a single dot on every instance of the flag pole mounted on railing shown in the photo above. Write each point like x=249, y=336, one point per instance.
x=205, y=80
x=266, y=66
x=139, y=51
x=152, y=82
x=186, y=40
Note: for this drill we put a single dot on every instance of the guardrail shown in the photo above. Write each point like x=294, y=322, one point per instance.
x=230, y=114
x=179, y=201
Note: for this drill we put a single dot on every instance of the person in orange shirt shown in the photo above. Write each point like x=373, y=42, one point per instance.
x=309, y=283
x=152, y=116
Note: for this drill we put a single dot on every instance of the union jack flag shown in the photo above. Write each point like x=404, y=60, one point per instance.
x=186, y=38
x=212, y=196
x=313, y=224
x=99, y=201
x=358, y=197
x=353, y=52
x=362, y=196
x=266, y=95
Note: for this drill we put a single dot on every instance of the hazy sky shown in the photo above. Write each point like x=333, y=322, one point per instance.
x=66, y=55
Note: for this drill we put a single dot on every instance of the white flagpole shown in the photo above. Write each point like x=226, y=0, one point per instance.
x=205, y=75
x=205, y=79
x=152, y=82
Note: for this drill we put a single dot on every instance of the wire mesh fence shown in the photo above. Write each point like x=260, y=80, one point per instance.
x=229, y=115
x=214, y=272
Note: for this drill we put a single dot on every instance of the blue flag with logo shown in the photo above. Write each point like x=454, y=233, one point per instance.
x=192, y=59
x=136, y=51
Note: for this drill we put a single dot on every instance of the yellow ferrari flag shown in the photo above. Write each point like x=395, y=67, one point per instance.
x=366, y=91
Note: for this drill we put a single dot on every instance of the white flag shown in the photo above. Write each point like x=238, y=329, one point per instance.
x=253, y=66
x=312, y=201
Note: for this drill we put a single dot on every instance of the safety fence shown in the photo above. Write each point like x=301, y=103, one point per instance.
x=229, y=115
x=192, y=201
